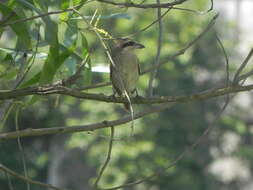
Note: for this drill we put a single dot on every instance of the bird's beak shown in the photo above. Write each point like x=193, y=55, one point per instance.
x=139, y=46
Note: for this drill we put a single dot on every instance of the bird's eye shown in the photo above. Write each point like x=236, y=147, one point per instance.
x=129, y=43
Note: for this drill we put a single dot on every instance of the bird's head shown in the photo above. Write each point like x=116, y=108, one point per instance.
x=128, y=44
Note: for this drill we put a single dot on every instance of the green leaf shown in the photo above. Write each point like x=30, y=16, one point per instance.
x=29, y=6
x=54, y=62
x=64, y=4
x=35, y=79
x=51, y=29
x=11, y=74
x=77, y=2
x=50, y=65
x=20, y=29
x=7, y=70
x=74, y=54
x=54, y=59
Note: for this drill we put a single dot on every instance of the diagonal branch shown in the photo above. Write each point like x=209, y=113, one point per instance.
x=29, y=180
x=82, y=128
x=242, y=66
x=182, y=51
x=107, y=159
x=158, y=53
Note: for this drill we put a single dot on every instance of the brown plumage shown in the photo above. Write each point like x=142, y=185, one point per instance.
x=124, y=75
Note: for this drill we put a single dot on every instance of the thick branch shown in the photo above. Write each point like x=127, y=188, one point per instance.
x=58, y=89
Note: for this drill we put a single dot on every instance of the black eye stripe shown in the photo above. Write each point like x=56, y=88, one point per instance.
x=129, y=43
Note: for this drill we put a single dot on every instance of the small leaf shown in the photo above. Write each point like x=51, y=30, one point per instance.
x=64, y=4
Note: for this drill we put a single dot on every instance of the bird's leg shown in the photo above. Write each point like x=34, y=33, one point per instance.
x=114, y=93
x=136, y=93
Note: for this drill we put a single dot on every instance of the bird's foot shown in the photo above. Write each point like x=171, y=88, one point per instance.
x=139, y=96
x=113, y=96
x=136, y=94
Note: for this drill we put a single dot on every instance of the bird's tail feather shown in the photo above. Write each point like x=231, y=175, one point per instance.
x=127, y=106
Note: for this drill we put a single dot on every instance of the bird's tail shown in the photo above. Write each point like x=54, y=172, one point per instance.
x=127, y=106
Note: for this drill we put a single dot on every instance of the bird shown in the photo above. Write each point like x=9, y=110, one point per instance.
x=125, y=68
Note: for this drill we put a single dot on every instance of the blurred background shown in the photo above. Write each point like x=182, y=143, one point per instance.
x=223, y=160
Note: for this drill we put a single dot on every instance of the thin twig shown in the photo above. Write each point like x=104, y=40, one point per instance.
x=32, y=60
x=72, y=79
x=226, y=59
x=180, y=52
x=245, y=76
x=45, y=14
x=37, y=16
x=9, y=180
x=29, y=180
x=191, y=43
x=159, y=46
x=107, y=159
x=21, y=149
x=195, y=11
x=148, y=26
x=211, y=6
x=242, y=66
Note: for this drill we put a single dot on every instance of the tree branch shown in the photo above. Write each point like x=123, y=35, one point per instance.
x=82, y=128
x=58, y=89
x=158, y=52
x=107, y=159
x=182, y=51
x=29, y=180
x=144, y=6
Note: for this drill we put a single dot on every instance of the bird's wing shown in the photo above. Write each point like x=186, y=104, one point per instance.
x=114, y=80
x=139, y=69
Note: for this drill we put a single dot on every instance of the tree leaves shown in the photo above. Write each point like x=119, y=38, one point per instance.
x=20, y=29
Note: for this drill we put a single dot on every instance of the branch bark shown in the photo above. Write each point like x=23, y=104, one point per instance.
x=167, y=101
x=144, y=6
x=80, y=128
x=58, y=89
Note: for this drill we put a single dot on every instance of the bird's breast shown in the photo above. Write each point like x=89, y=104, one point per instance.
x=127, y=66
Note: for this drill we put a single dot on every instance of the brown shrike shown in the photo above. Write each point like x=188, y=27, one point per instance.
x=125, y=70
